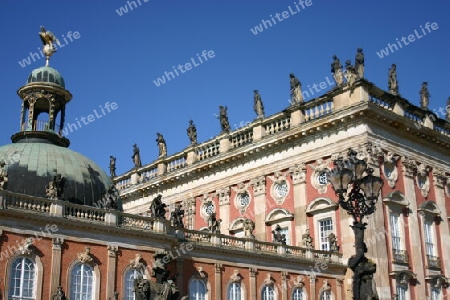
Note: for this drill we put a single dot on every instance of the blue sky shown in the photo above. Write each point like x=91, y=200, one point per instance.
x=118, y=58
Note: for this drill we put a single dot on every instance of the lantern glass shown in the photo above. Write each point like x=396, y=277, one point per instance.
x=371, y=186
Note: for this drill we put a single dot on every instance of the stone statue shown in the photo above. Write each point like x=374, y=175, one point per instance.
x=336, y=69
x=176, y=217
x=158, y=208
x=392, y=83
x=223, y=117
x=48, y=40
x=249, y=226
x=296, y=90
x=192, y=132
x=424, y=96
x=112, y=166
x=278, y=237
x=136, y=157
x=350, y=75
x=111, y=198
x=359, y=62
x=258, y=106
x=60, y=295
x=141, y=288
x=161, y=145
x=3, y=175
x=214, y=223
x=307, y=239
x=55, y=188
x=332, y=240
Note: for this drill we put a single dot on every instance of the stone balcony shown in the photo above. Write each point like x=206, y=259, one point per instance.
x=400, y=256
x=91, y=216
x=433, y=262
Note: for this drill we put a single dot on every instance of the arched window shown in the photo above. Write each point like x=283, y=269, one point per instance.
x=326, y=295
x=82, y=282
x=297, y=294
x=22, y=279
x=197, y=290
x=234, y=291
x=268, y=293
x=130, y=275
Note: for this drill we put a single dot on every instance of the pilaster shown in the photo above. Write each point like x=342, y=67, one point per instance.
x=55, y=274
x=284, y=286
x=312, y=289
x=218, y=281
x=409, y=166
x=111, y=275
x=259, y=195
x=439, y=182
x=298, y=173
x=224, y=207
x=252, y=283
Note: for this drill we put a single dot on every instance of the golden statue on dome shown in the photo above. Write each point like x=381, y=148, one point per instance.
x=48, y=40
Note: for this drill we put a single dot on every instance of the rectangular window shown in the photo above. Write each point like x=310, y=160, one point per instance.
x=429, y=243
x=285, y=231
x=325, y=228
x=395, y=232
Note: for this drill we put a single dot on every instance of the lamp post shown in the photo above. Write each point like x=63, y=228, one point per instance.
x=358, y=192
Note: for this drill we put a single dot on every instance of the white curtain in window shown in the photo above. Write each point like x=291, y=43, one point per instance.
x=197, y=290
x=234, y=291
x=268, y=293
x=82, y=278
x=297, y=294
x=325, y=228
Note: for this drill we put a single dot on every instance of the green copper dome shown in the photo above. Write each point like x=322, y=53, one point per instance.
x=31, y=167
x=46, y=74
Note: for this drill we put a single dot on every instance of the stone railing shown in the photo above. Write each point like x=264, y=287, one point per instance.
x=433, y=262
x=134, y=221
x=83, y=212
x=24, y=202
x=317, y=108
x=231, y=241
x=266, y=246
x=280, y=123
x=400, y=256
x=197, y=236
x=176, y=162
x=208, y=149
x=241, y=137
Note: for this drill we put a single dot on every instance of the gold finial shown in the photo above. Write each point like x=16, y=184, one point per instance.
x=48, y=40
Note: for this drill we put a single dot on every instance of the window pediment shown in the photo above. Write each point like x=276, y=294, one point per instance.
x=321, y=205
x=279, y=215
x=396, y=198
x=429, y=208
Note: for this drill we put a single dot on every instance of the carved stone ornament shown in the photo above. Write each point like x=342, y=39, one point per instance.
x=404, y=277
x=243, y=198
x=439, y=178
x=136, y=262
x=236, y=277
x=409, y=165
x=27, y=247
x=199, y=273
x=218, y=267
x=259, y=185
x=389, y=168
x=437, y=281
x=207, y=207
x=299, y=281
x=422, y=179
x=269, y=280
x=252, y=271
x=224, y=196
x=326, y=286
x=86, y=256
x=280, y=187
x=319, y=176
x=112, y=250
x=57, y=243
x=298, y=173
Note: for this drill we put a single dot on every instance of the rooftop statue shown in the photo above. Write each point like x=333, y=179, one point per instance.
x=424, y=96
x=223, y=118
x=48, y=40
x=392, y=83
x=136, y=157
x=192, y=132
x=296, y=89
x=359, y=62
x=161, y=145
x=112, y=166
x=336, y=69
x=258, y=106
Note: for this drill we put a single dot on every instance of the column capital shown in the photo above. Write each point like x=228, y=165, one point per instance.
x=259, y=185
x=409, y=165
x=112, y=250
x=439, y=178
x=57, y=243
x=298, y=173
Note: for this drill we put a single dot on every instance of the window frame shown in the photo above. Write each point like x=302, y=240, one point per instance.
x=12, y=280
x=238, y=292
x=204, y=284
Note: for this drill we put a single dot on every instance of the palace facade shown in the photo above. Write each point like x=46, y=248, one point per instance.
x=258, y=217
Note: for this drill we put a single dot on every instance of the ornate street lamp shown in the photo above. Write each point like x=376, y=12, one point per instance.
x=358, y=192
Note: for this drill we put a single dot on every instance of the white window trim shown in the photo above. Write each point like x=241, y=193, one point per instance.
x=275, y=290
x=38, y=267
x=96, y=273
x=316, y=219
x=204, y=280
x=130, y=267
x=242, y=289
